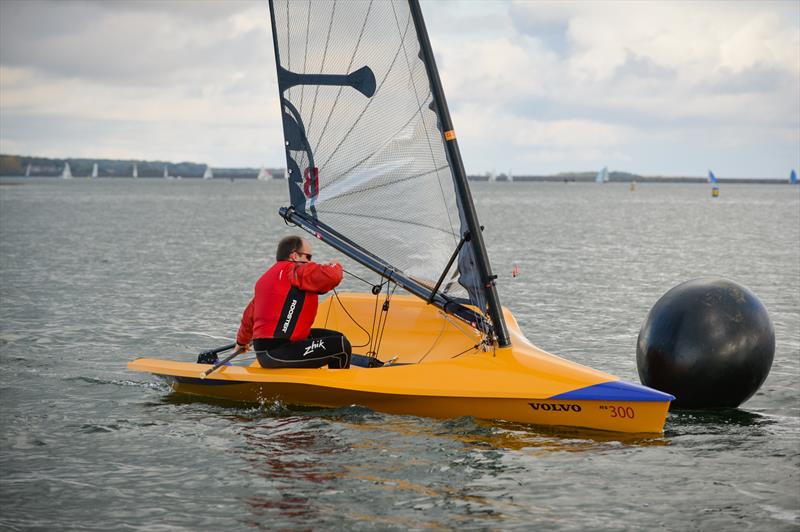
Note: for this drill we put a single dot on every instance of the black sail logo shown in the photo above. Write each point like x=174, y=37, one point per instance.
x=556, y=407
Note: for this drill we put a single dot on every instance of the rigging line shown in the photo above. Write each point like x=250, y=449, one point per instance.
x=460, y=329
x=369, y=102
x=384, y=318
x=322, y=67
x=349, y=66
x=474, y=347
x=369, y=336
x=435, y=341
x=422, y=117
x=328, y=314
x=378, y=332
x=372, y=329
x=361, y=279
x=385, y=219
x=380, y=185
x=305, y=51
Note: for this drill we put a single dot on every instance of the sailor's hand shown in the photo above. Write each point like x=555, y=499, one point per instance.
x=333, y=263
x=241, y=348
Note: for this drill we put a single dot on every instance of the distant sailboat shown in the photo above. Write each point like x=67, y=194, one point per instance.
x=492, y=176
x=94, y=170
x=264, y=174
x=208, y=173
x=792, y=177
x=602, y=176
x=713, y=180
x=28, y=171
x=135, y=170
x=510, y=176
x=166, y=173
x=67, y=173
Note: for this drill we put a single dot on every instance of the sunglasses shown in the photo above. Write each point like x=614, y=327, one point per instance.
x=307, y=255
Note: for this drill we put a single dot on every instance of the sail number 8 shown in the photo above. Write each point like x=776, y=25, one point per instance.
x=311, y=182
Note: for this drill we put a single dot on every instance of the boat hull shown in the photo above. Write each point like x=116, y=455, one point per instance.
x=618, y=416
x=521, y=384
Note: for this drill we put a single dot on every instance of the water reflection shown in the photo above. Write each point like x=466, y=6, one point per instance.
x=329, y=467
x=713, y=431
x=716, y=416
x=491, y=434
x=293, y=459
x=308, y=465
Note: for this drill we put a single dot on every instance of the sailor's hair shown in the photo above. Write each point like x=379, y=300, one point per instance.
x=287, y=246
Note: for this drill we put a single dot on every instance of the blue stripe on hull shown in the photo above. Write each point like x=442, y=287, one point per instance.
x=616, y=391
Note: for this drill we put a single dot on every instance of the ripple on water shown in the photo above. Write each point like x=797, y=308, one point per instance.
x=96, y=274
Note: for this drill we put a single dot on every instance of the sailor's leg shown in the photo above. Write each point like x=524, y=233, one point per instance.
x=333, y=350
x=342, y=358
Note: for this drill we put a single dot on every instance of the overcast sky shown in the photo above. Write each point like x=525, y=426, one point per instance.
x=657, y=88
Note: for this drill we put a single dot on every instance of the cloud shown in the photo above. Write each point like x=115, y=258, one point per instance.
x=572, y=71
x=654, y=87
x=137, y=73
x=140, y=43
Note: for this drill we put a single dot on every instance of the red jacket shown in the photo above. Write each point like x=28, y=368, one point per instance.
x=285, y=300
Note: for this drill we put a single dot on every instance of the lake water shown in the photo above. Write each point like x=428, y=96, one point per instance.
x=94, y=273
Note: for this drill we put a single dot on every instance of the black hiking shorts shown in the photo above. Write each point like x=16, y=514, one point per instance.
x=322, y=347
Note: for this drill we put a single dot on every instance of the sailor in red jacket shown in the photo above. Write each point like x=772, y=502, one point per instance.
x=278, y=319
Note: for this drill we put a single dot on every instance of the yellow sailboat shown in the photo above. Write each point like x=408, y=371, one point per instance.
x=437, y=371
x=374, y=170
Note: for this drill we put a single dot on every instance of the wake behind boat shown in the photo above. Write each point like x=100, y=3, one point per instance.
x=374, y=170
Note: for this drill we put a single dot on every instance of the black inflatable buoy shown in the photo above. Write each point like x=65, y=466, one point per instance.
x=709, y=342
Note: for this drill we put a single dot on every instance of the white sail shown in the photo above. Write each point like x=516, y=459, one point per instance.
x=264, y=174
x=602, y=176
x=94, y=170
x=135, y=170
x=166, y=173
x=67, y=173
x=371, y=151
x=209, y=174
x=28, y=170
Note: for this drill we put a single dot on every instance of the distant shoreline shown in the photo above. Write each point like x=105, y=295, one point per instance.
x=476, y=179
x=21, y=166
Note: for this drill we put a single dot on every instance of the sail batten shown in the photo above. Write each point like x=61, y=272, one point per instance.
x=365, y=149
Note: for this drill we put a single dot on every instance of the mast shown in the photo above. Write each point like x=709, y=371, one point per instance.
x=460, y=179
